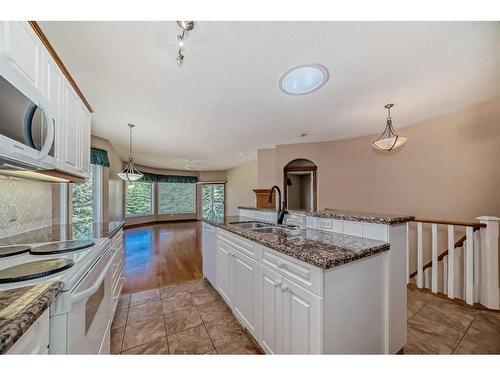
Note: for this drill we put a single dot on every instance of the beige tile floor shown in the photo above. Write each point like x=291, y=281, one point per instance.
x=185, y=318
x=437, y=325
x=190, y=318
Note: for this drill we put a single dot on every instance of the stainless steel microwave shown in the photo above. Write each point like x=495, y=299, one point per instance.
x=27, y=131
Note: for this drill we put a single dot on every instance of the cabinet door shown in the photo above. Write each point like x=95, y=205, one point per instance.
x=52, y=91
x=270, y=306
x=301, y=320
x=85, y=124
x=71, y=125
x=22, y=48
x=245, y=291
x=224, y=260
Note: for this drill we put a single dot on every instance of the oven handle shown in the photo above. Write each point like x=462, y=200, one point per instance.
x=88, y=292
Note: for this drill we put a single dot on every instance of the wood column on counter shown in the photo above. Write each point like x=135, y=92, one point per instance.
x=261, y=198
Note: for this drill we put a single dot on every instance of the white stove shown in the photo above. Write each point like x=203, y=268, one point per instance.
x=81, y=315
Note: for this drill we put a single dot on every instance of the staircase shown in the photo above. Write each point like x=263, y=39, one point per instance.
x=466, y=269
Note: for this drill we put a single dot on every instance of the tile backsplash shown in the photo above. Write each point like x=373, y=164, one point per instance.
x=24, y=205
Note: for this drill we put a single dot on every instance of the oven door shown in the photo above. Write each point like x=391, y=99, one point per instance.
x=89, y=318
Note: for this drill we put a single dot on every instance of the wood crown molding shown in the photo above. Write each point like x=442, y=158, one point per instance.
x=34, y=25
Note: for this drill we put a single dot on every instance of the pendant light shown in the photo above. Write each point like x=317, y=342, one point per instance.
x=389, y=140
x=130, y=172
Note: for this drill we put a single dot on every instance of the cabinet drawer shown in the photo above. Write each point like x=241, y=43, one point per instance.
x=305, y=275
x=35, y=340
x=243, y=245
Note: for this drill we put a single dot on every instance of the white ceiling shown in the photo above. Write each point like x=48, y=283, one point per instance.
x=225, y=99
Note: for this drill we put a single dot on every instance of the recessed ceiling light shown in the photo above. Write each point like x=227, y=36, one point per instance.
x=242, y=153
x=303, y=79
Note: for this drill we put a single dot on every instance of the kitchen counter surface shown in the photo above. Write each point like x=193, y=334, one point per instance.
x=346, y=215
x=21, y=307
x=64, y=233
x=319, y=248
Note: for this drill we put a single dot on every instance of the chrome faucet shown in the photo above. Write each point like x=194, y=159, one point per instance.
x=281, y=207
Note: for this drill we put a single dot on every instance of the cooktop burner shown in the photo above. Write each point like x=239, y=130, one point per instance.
x=34, y=270
x=61, y=247
x=7, y=251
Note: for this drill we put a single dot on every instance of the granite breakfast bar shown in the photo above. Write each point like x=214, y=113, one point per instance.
x=328, y=286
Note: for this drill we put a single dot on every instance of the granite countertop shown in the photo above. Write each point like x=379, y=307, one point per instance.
x=330, y=213
x=319, y=248
x=64, y=233
x=21, y=307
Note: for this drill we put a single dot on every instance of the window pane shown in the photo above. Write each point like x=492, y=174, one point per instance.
x=212, y=198
x=82, y=201
x=175, y=198
x=138, y=199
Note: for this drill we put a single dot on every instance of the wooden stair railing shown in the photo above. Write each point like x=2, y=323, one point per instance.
x=451, y=280
x=459, y=243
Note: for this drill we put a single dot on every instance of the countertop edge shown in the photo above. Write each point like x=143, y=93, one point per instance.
x=11, y=329
x=330, y=265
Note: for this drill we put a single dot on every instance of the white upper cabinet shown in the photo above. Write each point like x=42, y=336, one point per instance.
x=85, y=125
x=22, y=48
x=28, y=65
x=71, y=119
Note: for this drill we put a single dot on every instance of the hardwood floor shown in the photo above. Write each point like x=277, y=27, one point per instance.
x=160, y=254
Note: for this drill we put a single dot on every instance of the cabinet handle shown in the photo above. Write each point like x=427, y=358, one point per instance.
x=281, y=265
x=284, y=288
x=277, y=283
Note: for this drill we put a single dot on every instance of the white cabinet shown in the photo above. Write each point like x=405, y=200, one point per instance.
x=28, y=65
x=21, y=47
x=84, y=142
x=237, y=282
x=270, y=310
x=301, y=320
x=71, y=119
x=281, y=315
x=245, y=298
x=224, y=277
x=209, y=252
x=36, y=339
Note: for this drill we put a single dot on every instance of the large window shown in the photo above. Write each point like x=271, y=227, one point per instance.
x=139, y=198
x=176, y=198
x=212, y=201
x=82, y=202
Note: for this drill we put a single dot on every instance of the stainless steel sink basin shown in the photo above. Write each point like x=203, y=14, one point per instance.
x=251, y=225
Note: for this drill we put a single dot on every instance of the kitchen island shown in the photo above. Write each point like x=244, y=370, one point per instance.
x=312, y=290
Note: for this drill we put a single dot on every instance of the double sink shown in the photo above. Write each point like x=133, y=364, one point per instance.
x=260, y=227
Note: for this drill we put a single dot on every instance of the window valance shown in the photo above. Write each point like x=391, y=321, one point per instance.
x=99, y=157
x=153, y=177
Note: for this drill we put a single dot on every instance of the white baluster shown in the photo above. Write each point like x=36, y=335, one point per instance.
x=407, y=252
x=445, y=274
x=451, y=261
x=477, y=264
x=434, y=287
x=457, y=282
x=469, y=272
x=420, y=257
x=427, y=278
x=490, y=293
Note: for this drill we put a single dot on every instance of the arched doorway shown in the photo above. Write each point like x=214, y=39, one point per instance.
x=300, y=185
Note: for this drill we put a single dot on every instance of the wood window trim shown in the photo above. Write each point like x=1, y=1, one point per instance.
x=34, y=25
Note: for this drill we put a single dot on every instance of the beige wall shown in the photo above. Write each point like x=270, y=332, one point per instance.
x=113, y=196
x=449, y=168
x=266, y=168
x=240, y=183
